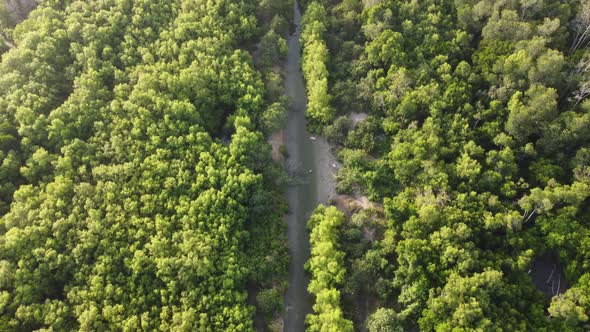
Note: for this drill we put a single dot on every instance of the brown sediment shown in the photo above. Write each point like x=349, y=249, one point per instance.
x=276, y=140
x=349, y=204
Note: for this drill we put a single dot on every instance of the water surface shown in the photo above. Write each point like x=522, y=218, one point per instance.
x=302, y=196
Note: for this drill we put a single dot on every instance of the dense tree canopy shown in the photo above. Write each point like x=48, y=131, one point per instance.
x=476, y=143
x=314, y=65
x=136, y=189
x=327, y=271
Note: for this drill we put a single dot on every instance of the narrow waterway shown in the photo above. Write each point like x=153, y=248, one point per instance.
x=310, y=159
x=301, y=196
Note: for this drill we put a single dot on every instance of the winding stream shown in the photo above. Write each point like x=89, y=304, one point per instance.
x=312, y=159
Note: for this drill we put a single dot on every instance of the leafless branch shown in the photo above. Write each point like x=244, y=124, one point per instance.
x=581, y=26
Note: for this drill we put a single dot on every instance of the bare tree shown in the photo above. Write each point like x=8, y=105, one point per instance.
x=581, y=26
x=582, y=70
x=583, y=66
x=582, y=93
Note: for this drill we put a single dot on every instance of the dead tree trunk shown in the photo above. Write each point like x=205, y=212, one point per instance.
x=581, y=26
